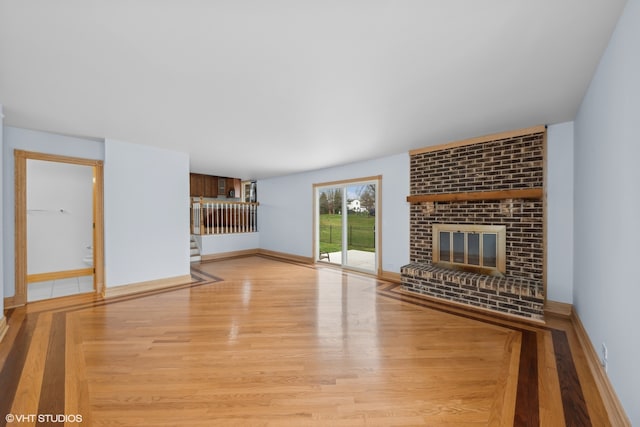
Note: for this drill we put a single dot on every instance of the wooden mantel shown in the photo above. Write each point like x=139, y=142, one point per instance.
x=528, y=193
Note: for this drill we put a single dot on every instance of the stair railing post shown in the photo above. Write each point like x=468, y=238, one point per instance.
x=201, y=215
x=191, y=215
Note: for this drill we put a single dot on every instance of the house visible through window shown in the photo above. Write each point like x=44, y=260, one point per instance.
x=476, y=248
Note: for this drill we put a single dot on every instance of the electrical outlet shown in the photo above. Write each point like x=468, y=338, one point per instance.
x=605, y=357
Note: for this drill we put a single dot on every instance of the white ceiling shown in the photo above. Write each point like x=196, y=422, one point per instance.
x=259, y=88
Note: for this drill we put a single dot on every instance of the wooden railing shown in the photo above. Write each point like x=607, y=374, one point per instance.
x=222, y=217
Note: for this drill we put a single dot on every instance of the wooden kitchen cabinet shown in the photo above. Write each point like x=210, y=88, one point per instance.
x=196, y=185
x=233, y=185
x=211, y=186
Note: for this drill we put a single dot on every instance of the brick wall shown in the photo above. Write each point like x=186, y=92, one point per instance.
x=501, y=164
x=504, y=164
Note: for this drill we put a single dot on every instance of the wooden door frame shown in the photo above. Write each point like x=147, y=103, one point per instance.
x=20, y=206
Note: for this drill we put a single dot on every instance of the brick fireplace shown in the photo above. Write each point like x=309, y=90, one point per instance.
x=495, y=181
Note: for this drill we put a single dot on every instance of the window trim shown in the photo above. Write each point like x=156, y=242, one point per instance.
x=499, y=230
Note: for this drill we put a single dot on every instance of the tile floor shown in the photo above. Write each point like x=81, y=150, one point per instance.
x=59, y=288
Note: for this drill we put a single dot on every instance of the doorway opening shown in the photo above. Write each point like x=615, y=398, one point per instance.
x=58, y=226
x=347, y=223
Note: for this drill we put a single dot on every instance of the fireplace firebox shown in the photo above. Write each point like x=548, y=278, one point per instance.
x=470, y=247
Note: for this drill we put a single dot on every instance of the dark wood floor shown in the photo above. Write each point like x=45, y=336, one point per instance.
x=255, y=341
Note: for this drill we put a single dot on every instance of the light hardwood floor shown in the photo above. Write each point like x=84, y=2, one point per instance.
x=256, y=341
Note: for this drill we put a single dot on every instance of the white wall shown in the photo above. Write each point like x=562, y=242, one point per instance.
x=59, y=215
x=221, y=243
x=607, y=209
x=140, y=244
x=42, y=142
x=560, y=212
x=146, y=198
x=285, y=215
x=2, y=293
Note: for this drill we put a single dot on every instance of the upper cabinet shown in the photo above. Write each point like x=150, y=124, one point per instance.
x=232, y=187
x=196, y=184
x=213, y=186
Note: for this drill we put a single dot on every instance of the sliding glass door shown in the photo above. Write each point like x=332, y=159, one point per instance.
x=346, y=224
x=361, y=226
x=330, y=225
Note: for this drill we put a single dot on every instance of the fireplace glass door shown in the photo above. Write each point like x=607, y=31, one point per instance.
x=479, y=248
